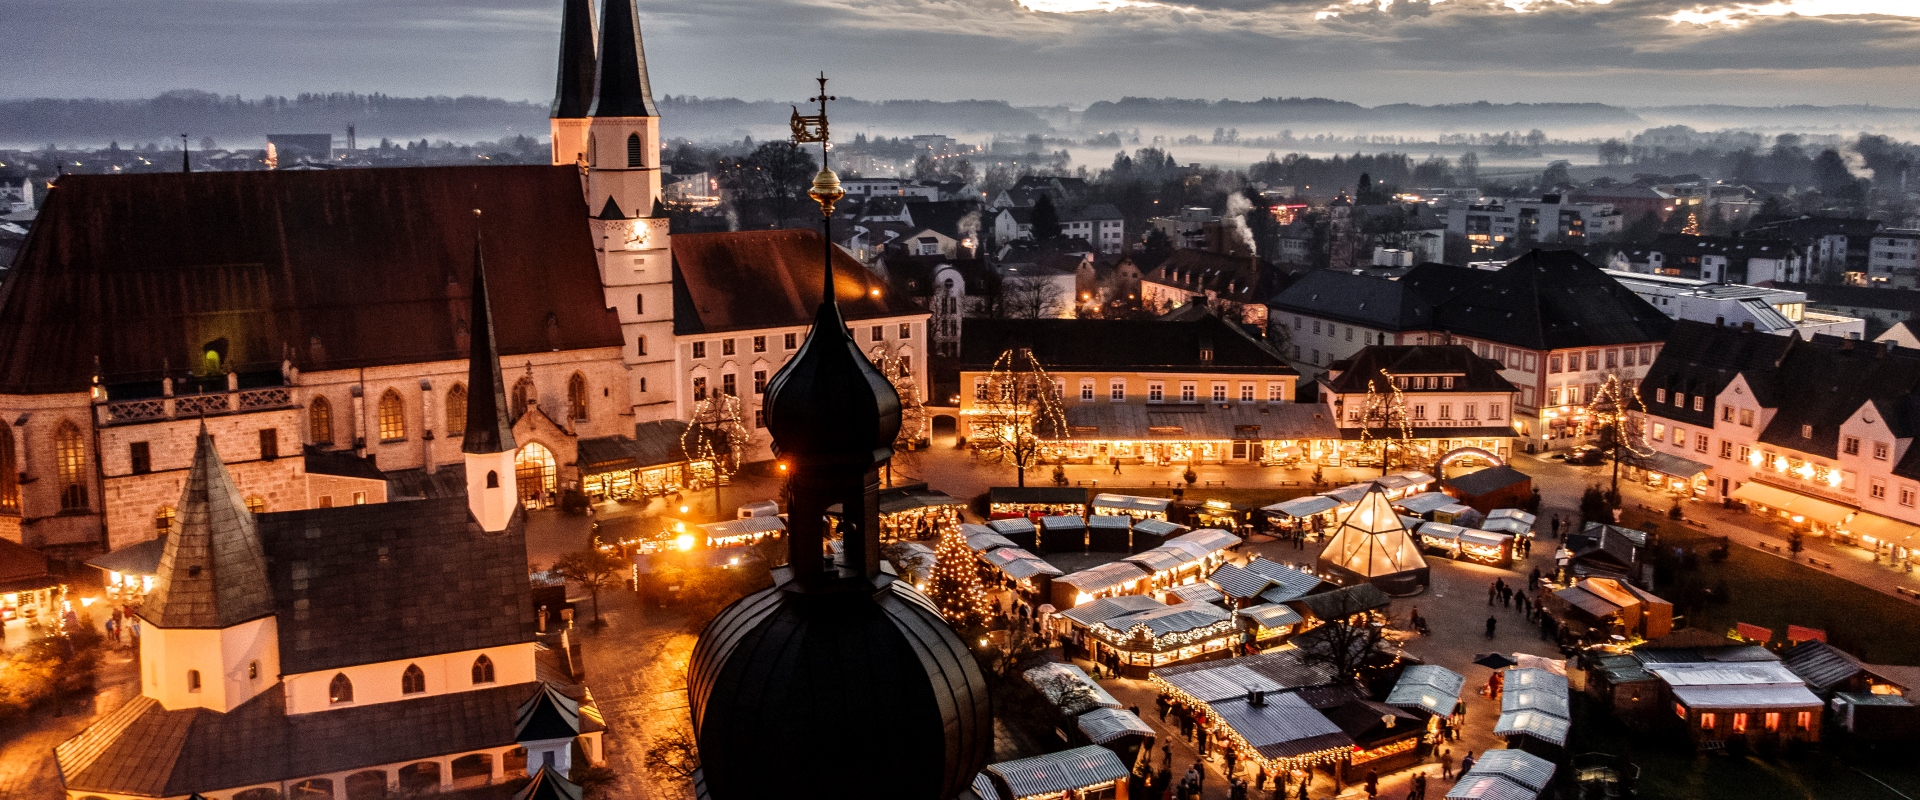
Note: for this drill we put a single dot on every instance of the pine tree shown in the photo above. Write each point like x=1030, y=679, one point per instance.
x=955, y=583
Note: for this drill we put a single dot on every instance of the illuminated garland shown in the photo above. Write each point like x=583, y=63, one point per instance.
x=716, y=420
x=1247, y=752
x=1020, y=398
x=1389, y=411
x=1611, y=407
x=913, y=409
x=1167, y=642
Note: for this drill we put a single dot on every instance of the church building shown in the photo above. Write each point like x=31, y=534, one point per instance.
x=344, y=652
x=316, y=323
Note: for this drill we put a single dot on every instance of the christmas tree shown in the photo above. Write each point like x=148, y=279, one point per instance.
x=955, y=583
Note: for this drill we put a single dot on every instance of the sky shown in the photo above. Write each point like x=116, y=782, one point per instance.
x=1036, y=52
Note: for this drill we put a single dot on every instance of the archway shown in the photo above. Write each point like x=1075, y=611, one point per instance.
x=311, y=789
x=472, y=770
x=534, y=471
x=1470, y=452
x=420, y=777
x=368, y=785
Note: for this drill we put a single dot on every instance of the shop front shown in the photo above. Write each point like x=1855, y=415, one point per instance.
x=1799, y=510
x=917, y=513
x=1186, y=633
x=1034, y=502
x=1681, y=477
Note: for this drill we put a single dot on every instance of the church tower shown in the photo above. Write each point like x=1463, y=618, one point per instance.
x=209, y=638
x=488, y=446
x=622, y=154
x=573, y=90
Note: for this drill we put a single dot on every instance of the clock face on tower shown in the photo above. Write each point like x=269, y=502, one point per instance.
x=637, y=233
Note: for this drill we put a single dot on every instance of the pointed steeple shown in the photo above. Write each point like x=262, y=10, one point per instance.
x=573, y=92
x=213, y=572
x=621, y=88
x=488, y=429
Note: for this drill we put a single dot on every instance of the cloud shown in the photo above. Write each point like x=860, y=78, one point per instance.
x=1029, y=51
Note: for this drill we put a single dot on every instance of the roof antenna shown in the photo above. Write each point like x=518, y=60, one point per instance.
x=185, y=165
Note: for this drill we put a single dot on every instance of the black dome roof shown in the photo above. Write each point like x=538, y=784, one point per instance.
x=869, y=684
x=829, y=405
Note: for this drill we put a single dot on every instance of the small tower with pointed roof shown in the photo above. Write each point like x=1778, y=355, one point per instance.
x=623, y=133
x=210, y=638
x=488, y=446
x=573, y=86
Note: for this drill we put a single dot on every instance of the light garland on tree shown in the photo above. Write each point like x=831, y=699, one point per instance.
x=913, y=408
x=955, y=586
x=1388, y=411
x=1021, y=399
x=716, y=420
x=1612, y=406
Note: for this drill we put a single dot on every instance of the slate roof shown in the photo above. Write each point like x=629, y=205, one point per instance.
x=1821, y=665
x=1472, y=373
x=621, y=88
x=342, y=463
x=546, y=715
x=338, y=268
x=390, y=581
x=1547, y=300
x=1823, y=381
x=1237, y=278
x=1701, y=360
x=134, y=559
x=764, y=279
x=1058, y=772
x=213, y=572
x=1103, y=345
x=1377, y=303
x=547, y=784
x=143, y=749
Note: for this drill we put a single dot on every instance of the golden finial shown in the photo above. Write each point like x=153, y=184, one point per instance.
x=826, y=186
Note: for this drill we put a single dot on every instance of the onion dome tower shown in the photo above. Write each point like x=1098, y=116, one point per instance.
x=838, y=669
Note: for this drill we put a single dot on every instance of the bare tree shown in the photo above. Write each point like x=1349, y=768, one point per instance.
x=1347, y=638
x=1020, y=407
x=672, y=758
x=913, y=407
x=593, y=569
x=1030, y=297
x=1385, y=425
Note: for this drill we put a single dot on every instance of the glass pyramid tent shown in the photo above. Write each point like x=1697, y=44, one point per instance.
x=1372, y=546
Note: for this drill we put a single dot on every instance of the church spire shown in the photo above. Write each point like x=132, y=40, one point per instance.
x=620, y=87
x=489, y=445
x=488, y=429
x=213, y=571
x=573, y=92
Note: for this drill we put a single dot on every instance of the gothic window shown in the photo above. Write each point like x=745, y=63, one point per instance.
x=163, y=520
x=457, y=410
x=9, y=473
x=393, y=417
x=70, y=455
x=320, y=421
x=340, y=690
x=483, y=669
x=413, y=681
x=636, y=153
x=523, y=396
x=577, y=397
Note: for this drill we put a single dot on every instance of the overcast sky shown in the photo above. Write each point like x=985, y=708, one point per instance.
x=1631, y=52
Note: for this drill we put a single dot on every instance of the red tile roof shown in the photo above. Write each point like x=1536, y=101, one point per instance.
x=346, y=268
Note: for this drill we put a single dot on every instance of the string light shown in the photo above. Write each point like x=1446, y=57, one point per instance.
x=1248, y=752
x=1020, y=399
x=955, y=585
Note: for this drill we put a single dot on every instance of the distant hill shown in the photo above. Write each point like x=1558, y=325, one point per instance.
x=1305, y=111
x=234, y=122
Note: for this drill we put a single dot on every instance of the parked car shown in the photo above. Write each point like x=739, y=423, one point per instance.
x=1583, y=455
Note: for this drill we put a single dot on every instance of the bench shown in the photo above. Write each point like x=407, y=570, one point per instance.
x=1906, y=592
x=1819, y=563
x=1216, y=483
x=1770, y=547
x=1094, y=482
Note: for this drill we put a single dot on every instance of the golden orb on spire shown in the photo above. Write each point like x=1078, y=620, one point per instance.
x=826, y=191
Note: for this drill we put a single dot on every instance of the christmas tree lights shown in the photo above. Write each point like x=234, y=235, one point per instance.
x=955, y=584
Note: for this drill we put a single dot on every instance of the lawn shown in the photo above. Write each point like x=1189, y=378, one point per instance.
x=1773, y=592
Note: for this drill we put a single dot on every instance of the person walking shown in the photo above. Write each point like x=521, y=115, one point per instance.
x=1419, y=786
x=1446, y=764
x=1373, y=784
x=1166, y=756
x=1466, y=763
x=1491, y=622
x=1116, y=464
x=1232, y=759
x=1493, y=592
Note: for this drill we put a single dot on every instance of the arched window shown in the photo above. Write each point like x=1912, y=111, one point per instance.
x=636, y=153
x=393, y=417
x=523, y=396
x=493, y=479
x=534, y=470
x=340, y=690
x=457, y=410
x=640, y=345
x=163, y=520
x=70, y=454
x=9, y=473
x=256, y=504
x=577, y=397
x=193, y=680
x=320, y=421
x=483, y=669
x=413, y=681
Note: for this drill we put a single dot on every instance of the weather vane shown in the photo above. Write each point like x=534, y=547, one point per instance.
x=826, y=185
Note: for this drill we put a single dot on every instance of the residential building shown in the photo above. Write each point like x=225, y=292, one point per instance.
x=1836, y=248
x=1329, y=315
x=1553, y=218
x=1100, y=224
x=1438, y=398
x=1893, y=259
x=1716, y=259
x=1812, y=431
x=1195, y=391
x=1236, y=287
x=1773, y=310
x=1881, y=308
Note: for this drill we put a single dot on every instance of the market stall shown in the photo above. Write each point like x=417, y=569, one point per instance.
x=1133, y=644
x=912, y=561
x=1116, y=729
x=1263, y=581
x=1428, y=688
x=1270, y=623
x=1468, y=544
x=1299, y=513
x=1139, y=508
x=1402, y=484
x=1253, y=705
x=1035, y=501
x=1210, y=514
x=1167, y=566
x=1510, y=520
x=1211, y=546
x=129, y=571
x=1019, y=530
x=1029, y=574
x=741, y=532
x=1491, y=488
x=1106, y=580
x=1425, y=503
x=917, y=513
x=1151, y=533
x=1083, y=772
x=1063, y=534
x=981, y=538
x=1109, y=533
x=1534, y=712
x=1195, y=593
x=1505, y=775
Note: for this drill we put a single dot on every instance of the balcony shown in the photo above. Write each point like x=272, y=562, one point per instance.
x=192, y=406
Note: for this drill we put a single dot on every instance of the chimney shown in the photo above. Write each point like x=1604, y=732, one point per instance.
x=1719, y=321
x=1256, y=698
x=1747, y=325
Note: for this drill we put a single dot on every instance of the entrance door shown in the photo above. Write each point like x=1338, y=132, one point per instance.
x=534, y=470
